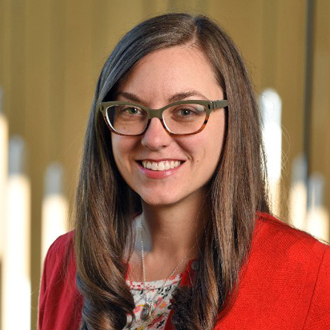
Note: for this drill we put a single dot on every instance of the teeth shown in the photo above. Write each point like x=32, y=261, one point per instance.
x=160, y=166
x=154, y=166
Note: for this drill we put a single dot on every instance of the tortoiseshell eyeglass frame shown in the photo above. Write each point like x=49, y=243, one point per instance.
x=158, y=113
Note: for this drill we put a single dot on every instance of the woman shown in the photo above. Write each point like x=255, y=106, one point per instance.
x=172, y=224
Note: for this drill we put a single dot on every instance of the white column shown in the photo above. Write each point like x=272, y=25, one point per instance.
x=54, y=207
x=271, y=110
x=298, y=193
x=317, y=222
x=3, y=170
x=16, y=289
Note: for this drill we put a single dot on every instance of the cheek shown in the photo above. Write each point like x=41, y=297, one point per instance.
x=122, y=149
x=115, y=148
x=203, y=150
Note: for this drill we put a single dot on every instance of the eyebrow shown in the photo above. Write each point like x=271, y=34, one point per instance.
x=176, y=97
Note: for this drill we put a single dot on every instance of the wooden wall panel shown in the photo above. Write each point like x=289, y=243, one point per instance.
x=270, y=53
x=38, y=125
x=110, y=22
x=14, y=51
x=289, y=83
x=152, y=8
x=5, y=50
x=320, y=121
x=243, y=21
x=78, y=84
x=56, y=80
x=191, y=6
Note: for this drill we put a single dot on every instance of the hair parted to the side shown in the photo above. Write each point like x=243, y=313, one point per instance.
x=105, y=204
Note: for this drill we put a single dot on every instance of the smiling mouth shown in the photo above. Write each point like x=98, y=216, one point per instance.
x=161, y=166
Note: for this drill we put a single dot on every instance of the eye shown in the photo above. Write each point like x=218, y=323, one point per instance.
x=188, y=111
x=185, y=112
x=132, y=111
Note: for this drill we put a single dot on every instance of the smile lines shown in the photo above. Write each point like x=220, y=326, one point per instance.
x=161, y=166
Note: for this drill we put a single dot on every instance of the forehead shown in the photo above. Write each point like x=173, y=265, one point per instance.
x=170, y=71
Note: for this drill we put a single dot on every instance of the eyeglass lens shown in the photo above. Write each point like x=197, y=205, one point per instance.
x=179, y=119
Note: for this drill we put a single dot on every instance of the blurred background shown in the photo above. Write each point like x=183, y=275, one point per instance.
x=51, y=52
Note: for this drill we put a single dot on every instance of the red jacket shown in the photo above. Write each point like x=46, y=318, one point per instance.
x=284, y=285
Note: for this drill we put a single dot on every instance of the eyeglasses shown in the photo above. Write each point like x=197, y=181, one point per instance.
x=178, y=118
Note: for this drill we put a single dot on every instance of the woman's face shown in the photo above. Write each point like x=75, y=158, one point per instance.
x=176, y=73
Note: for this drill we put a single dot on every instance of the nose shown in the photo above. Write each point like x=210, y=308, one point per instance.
x=156, y=137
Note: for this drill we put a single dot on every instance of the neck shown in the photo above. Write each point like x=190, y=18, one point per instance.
x=170, y=234
x=174, y=230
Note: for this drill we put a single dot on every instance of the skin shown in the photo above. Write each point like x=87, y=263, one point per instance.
x=172, y=199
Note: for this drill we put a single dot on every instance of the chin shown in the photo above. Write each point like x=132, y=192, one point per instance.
x=159, y=200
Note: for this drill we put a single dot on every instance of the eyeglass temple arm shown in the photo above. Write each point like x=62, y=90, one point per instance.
x=218, y=104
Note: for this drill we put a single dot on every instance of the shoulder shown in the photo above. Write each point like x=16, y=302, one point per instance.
x=275, y=238
x=280, y=250
x=60, y=302
x=62, y=242
x=60, y=258
x=63, y=247
x=284, y=283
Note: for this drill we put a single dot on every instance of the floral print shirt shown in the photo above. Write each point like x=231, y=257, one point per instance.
x=160, y=294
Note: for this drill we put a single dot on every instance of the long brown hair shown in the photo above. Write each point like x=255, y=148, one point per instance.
x=105, y=204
